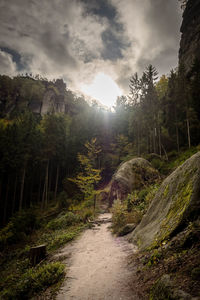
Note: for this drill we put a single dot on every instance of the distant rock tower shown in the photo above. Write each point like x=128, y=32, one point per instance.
x=190, y=29
x=183, y=3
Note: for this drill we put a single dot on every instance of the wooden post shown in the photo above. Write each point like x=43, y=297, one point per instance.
x=36, y=254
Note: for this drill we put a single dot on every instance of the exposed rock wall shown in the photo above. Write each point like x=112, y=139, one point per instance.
x=190, y=29
x=52, y=103
x=176, y=203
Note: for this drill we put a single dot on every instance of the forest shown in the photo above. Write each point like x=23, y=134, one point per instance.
x=40, y=152
x=58, y=154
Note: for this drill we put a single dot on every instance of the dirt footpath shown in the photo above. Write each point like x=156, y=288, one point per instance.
x=98, y=266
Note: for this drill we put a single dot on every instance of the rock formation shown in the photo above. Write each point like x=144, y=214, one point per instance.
x=190, y=29
x=176, y=203
x=131, y=175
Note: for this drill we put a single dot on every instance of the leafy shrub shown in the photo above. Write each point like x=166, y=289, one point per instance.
x=151, y=193
x=85, y=214
x=119, y=213
x=88, y=203
x=154, y=258
x=19, y=226
x=134, y=216
x=63, y=221
x=62, y=239
x=34, y=281
x=158, y=164
x=139, y=200
x=63, y=200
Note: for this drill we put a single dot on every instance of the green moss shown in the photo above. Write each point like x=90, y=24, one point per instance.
x=175, y=213
x=166, y=191
x=154, y=259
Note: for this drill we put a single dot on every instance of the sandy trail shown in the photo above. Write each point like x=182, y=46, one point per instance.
x=98, y=266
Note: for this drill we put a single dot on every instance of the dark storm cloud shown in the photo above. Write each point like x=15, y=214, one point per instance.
x=15, y=57
x=80, y=38
x=113, y=46
x=102, y=8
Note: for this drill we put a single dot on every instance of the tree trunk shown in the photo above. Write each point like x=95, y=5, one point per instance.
x=94, y=201
x=6, y=203
x=177, y=134
x=159, y=141
x=188, y=133
x=166, y=156
x=49, y=183
x=0, y=189
x=31, y=189
x=14, y=195
x=39, y=189
x=45, y=189
x=154, y=139
x=56, y=185
x=43, y=195
x=22, y=187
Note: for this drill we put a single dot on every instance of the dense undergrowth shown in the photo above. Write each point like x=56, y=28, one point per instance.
x=135, y=205
x=172, y=270
x=53, y=227
x=132, y=209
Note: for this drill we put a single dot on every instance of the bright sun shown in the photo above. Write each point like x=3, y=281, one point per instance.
x=103, y=89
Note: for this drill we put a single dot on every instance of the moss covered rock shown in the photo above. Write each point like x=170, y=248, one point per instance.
x=176, y=203
x=131, y=175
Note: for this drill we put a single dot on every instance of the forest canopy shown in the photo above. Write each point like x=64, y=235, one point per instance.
x=44, y=127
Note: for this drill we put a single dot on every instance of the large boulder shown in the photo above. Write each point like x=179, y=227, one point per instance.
x=176, y=203
x=131, y=175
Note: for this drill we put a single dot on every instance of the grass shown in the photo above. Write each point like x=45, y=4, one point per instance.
x=18, y=279
x=32, y=281
x=133, y=208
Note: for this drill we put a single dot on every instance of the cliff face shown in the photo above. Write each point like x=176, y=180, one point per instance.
x=190, y=29
x=176, y=203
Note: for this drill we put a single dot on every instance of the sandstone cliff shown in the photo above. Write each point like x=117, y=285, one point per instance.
x=176, y=203
x=190, y=29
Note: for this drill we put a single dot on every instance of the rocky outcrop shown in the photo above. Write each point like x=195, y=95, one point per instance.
x=190, y=40
x=176, y=203
x=52, y=103
x=164, y=288
x=127, y=229
x=131, y=175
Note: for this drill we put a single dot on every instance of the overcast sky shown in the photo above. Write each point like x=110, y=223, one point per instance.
x=76, y=40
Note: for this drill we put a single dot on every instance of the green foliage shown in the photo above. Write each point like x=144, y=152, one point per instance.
x=118, y=215
x=20, y=225
x=34, y=281
x=121, y=216
x=63, y=221
x=140, y=200
x=179, y=158
x=89, y=176
x=60, y=239
x=154, y=259
x=86, y=213
x=161, y=291
x=63, y=200
x=159, y=165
